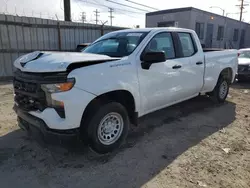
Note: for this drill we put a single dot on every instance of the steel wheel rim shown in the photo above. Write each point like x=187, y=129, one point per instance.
x=110, y=128
x=223, y=89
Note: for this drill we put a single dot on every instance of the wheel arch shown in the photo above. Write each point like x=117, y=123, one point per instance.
x=123, y=97
x=228, y=74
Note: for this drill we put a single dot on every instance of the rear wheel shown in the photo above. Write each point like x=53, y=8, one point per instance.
x=220, y=92
x=108, y=128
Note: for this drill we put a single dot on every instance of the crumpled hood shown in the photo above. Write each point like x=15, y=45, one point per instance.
x=244, y=61
x=42, y=61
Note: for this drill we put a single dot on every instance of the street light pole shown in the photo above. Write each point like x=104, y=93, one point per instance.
x=223, y=10
x=225, y=26
x=225, y=22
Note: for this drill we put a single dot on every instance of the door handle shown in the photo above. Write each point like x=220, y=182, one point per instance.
x=199, y=63
x=176, y=67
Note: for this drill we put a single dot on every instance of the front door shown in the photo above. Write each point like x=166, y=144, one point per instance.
x=161, y=82
x=209, y=36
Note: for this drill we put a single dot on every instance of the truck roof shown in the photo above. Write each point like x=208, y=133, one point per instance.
x=156, y=28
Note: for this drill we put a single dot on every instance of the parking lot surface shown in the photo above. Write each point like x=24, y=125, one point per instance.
x=193, y=144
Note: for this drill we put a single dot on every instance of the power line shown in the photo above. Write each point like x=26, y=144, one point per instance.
x=142, y=5
x=127, y=6
x=122, y=12
x=242, y=7
x=96, y=16
x=102, y=5
x=79, y=6
x=111, y=15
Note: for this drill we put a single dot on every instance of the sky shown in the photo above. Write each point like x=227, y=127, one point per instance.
x=123, y=16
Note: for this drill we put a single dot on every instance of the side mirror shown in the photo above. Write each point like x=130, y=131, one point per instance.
x=150, y=58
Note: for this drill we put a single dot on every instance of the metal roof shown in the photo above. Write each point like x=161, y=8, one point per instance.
x=169, y=11
x=189, y=9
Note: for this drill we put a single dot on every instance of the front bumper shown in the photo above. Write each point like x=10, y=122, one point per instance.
x=30, y=97
x=38, y=128
x=75, y=102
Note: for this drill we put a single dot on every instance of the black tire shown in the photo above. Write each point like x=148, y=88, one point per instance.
x=93, y=126
x=215, y=95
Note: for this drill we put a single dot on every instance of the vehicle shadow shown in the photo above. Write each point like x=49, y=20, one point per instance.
x=151, y=147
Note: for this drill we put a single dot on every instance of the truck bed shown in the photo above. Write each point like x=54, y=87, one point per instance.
x=212, y=49
x=214, y=61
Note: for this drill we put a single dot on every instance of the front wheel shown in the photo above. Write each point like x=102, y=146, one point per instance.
x=108, y=128
x=220, y=92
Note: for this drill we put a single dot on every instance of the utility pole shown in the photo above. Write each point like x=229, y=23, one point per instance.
x=83, y=17
x=241, y=9
x=96, y=16
x=241, y=6
x=67, y=10
x=111, y=15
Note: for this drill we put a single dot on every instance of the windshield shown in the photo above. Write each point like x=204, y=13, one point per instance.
x=117, y=44
x=244, y=54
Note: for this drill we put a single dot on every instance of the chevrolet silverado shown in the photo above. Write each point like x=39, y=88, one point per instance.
x=97, y=94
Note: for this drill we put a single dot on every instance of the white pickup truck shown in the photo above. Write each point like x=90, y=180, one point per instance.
x=97, y=94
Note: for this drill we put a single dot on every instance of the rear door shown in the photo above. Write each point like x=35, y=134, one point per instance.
x=192, y=66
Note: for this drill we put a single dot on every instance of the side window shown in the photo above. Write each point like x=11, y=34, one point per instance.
x=187, y=45
x=162, y=42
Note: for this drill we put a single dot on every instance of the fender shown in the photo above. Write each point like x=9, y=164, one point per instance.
x=102, y=78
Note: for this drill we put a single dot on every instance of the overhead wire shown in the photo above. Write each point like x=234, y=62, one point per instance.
x=128, y=6
x=102, y=5
x=141, y=4
x=119, y=10
x=79, y=6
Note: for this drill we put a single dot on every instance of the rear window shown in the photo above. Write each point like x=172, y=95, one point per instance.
x=187, y=44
